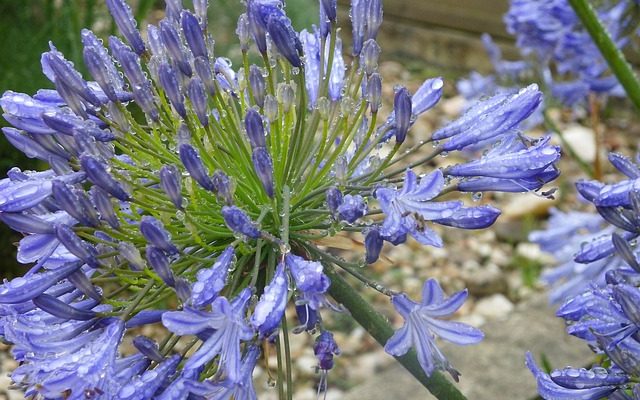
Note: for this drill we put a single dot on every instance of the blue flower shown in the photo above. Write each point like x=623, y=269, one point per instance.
x=210, y=281
x=423, y=323
x=228, y=321
x=511, y=159
x=82, y=365
x=572, y=383
x=406, y=211
x=227, y=389
x=271, y=306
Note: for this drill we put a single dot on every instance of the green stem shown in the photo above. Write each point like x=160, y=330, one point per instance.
x=614, y=57
x=379, y=328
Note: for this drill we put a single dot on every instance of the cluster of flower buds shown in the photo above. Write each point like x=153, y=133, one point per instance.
x=597, y=286
x=177, y=180
x=556, y=49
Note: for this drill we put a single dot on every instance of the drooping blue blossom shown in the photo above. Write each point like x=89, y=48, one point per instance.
x=227, y=389
x=573, y=383
x=351, y=208
x=228, y=321
x=407, y=211
x=271, y=306
x=423, y=323
x=239, y=222
x=212, y=280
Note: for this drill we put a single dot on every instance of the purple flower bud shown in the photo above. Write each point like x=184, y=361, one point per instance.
x=143, y=96
x=103, y=204
x=96, y=133
x=210, y=281
x=60, y=309
x=97, y=173
x=283, y=36
x=257, y=84
x=69, y=202
x=324, y=349
x=26, y=223
x=101, y=70
x=22, y=289
x=193, y=34
x=222, y=187
x=255, y=129
x=83, y=284
x=61, y=121
x=71, y=98
x=629, y=299
x=183, y=290
x=155, y=234
x=352, y=208
x=155, y=41
x=256, y=25
x=160, y=264
x=23, y=142
x=471, y=217
x=172, y=10
x=307, y=275
x=358, y=22
x=123, y=17
x=90, y=215
x=402, y=112
x=330, y=9
x=374, y=92
x=174, y=46
x=145, y=317
x=198, y=97
x=170, y=184
x=148, y=347
x=263, y=166
x=239, y=222
x=194, y=165
x=69, y=77
x=427, y=95
x=374, y=18
x=369, y=56
x=129, y=61
x=76, y=246
x=270, y=308
x=131, y=253
x=334, y=199
x=169, y=82
x=203, y=70
x=624, y=165
x=243, y=31
x=373, y=245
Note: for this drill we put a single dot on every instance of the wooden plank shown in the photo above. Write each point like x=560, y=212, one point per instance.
x=464, y=15
x=474, y=16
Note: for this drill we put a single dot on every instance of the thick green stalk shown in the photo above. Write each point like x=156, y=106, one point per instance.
x=380, y=329
x=614, y=57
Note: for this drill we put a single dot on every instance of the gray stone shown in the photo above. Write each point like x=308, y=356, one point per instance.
x=495, y=368
x=483, y=280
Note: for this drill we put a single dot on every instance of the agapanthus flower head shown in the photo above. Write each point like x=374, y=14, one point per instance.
x=178, y=181
x=597, y=284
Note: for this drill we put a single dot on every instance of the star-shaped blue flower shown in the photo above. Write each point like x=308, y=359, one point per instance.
x=423, y=322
